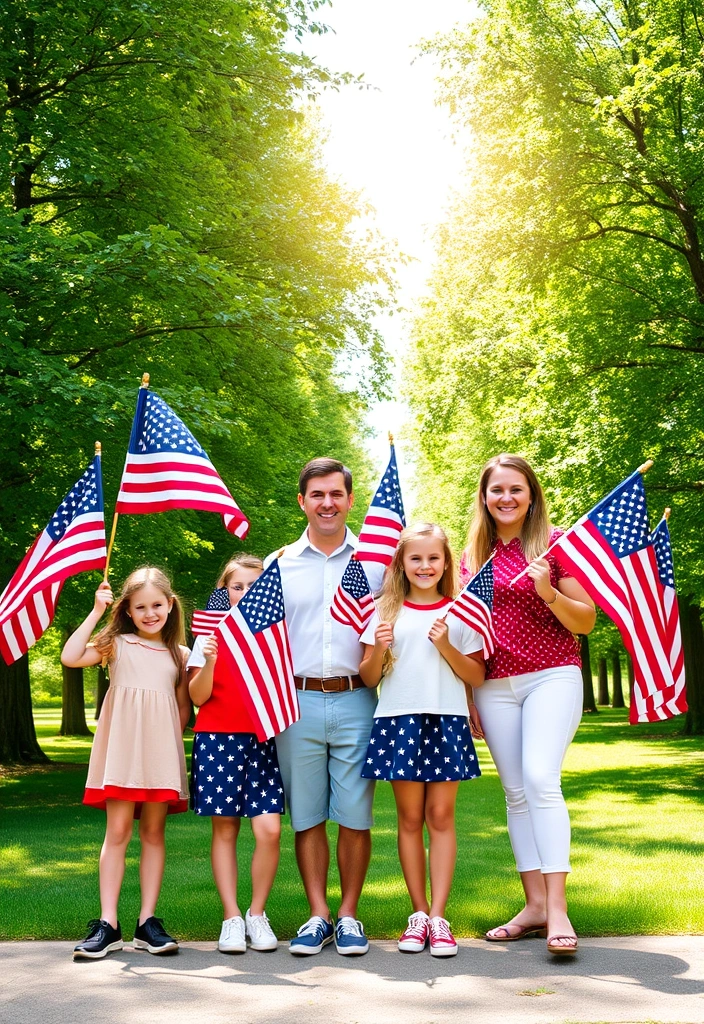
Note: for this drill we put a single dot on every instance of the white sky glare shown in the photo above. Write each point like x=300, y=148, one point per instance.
x=391, y=142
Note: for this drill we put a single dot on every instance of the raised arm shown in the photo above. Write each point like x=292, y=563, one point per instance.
x=76, y=652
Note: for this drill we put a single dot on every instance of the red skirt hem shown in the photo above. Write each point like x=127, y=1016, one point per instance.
x=99, y=797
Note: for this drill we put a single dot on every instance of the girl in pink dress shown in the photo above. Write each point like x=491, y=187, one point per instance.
x=137, y=765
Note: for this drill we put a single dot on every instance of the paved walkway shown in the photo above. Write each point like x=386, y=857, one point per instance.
x=632, y=980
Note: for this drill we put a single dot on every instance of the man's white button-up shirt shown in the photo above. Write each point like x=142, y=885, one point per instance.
x=321, y=647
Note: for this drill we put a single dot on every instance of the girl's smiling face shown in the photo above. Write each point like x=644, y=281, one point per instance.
x=149, y=609
x=424, y=565
x=508, y=499
x=239, y=581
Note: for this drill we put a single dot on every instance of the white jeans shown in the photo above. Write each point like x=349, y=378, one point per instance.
x=529, y=721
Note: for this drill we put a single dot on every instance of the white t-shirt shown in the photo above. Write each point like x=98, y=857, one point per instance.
x=421, y=680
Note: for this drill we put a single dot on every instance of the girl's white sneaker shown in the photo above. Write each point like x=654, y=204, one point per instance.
x=232, y=937
x=259, y=932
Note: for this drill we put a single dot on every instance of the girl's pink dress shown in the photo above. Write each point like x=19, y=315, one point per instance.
x=138, y=746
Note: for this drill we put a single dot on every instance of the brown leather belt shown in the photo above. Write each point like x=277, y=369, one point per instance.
x=333, y=684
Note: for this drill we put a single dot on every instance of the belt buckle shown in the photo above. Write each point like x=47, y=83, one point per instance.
x=322, y=685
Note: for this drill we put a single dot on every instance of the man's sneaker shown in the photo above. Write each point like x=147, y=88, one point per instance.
x=259, y=932
x=415, y=937
x=232, y=938
x=442, y=941
x=101, y=939
x=350, y=939
x=153, y=937
x=311, y=937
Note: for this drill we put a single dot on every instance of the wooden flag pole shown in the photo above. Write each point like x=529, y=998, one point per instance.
x=666, y=514
x=391, y=439
x=641, y=469
x=144, y=384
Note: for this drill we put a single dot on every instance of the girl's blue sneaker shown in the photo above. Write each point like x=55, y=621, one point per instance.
x=311, y=937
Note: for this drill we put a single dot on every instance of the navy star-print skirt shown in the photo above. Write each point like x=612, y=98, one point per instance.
x=235, y=776
x=421, y=748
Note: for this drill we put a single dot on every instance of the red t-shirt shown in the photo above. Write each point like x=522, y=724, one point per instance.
x=529, y=637
x=223, y=711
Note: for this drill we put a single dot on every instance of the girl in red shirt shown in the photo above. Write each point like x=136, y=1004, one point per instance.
x=235, y=776
x=531, y=703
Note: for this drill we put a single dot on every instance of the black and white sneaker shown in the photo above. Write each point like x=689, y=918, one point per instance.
x=101, y=939
x=153, y=937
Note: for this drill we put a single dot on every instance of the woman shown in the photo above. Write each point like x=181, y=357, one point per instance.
x=531, y=703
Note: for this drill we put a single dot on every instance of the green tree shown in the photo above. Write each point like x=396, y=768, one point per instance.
x=566, y=311
x=164, y=208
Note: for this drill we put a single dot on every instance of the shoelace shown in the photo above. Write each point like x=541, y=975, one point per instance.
x=348, y=926
x=417, y=926
x=260, y=926
x=230, y=928
x=440, y=929
x=311, y=927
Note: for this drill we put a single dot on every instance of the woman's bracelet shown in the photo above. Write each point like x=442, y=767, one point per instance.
x=557, y=594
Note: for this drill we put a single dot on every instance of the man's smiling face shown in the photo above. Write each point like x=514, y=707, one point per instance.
x=326, y=504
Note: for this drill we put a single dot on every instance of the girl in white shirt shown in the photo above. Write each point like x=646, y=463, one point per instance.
x=421, y=741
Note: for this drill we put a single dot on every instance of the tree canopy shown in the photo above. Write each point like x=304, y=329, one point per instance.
x=566, y=313
x=164, y=207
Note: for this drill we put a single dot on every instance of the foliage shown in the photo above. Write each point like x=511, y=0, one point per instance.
x=566, y=312
x=164, y=208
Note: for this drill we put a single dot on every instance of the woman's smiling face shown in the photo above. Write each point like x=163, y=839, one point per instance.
x=507, y=498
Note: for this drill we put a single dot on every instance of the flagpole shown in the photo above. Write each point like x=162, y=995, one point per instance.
x=144, y=384
x=641, y=469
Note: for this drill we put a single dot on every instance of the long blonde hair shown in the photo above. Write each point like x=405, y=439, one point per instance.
x=535, y=531
x=120, y=622
x=239, y=561
x=396, y=586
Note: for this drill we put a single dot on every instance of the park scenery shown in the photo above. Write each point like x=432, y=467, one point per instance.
x=178, y=257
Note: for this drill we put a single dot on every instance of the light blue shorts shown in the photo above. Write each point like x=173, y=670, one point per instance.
x=321, y=758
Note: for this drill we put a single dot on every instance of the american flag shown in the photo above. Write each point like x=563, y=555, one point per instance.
x=206, y=622
x=73, y=542
x=474, y=604
x=353, y=603
x=675, y=701
x=167, y=468
x=610, y=552
x=253, y=643
x=384, y=520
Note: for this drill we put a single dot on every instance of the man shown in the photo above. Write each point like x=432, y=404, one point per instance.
x=321, y=755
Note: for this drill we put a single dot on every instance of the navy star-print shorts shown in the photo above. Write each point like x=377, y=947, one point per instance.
x=421, y=748
x=235, y=776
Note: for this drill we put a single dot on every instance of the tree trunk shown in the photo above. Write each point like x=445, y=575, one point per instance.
x=693, y=644
x=73, y=707
x=616, y=684
x=603, y=697
x=631, y=679
x=103, y=683
x=588, y=701
x=18, y=738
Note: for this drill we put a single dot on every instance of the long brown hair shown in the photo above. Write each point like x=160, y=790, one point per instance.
x=535, y=532
x=396, y=586
x=172, y=634
x=239, y=561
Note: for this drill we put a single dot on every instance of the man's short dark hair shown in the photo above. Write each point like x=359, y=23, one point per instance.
x=323, y=467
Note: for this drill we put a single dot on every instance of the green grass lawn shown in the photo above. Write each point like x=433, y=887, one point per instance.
x=635, y=796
